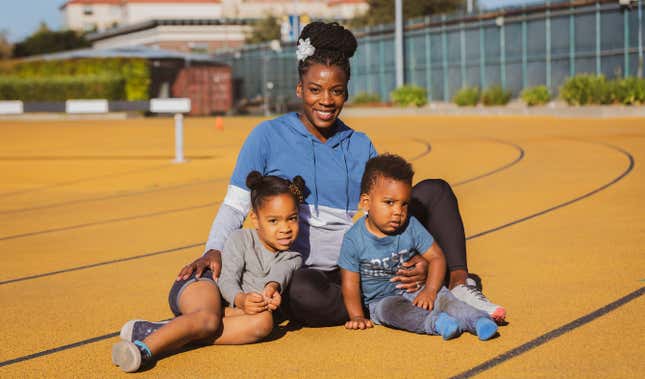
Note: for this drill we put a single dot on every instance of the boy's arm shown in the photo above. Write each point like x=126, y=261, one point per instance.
x=352, y=298
x=436, y=273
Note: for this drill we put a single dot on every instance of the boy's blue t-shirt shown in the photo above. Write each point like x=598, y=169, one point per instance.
x=378, y=259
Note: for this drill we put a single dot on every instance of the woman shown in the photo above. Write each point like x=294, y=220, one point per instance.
x=330, y=156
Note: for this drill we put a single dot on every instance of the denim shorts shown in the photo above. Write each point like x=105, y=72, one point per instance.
x=178, y=288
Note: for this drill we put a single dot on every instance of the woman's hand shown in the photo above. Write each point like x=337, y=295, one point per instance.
x=359, y=322
x=253, y=303
x=272, y=295
x=425, y=299
x=413, y=274
x=211, y=259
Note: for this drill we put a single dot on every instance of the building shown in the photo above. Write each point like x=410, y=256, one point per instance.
x=189, y=25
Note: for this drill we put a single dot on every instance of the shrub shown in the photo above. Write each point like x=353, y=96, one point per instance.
x=538, y=95
x=366, y=98
x=629, y=91
x=586, y=89
x=467, y=96
x=496, y=95
x=60, y=88
x=409, y=95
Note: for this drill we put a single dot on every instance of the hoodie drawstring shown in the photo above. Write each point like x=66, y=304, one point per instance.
x=313, y=150
x=342, y=147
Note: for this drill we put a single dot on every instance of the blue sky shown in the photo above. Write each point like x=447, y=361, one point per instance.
x=20, y=18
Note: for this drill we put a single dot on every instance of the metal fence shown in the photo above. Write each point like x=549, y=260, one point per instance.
x=516, y=48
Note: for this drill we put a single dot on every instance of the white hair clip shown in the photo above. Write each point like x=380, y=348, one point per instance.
x=305, y=49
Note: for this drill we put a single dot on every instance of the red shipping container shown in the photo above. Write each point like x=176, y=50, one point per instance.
x=209, y=88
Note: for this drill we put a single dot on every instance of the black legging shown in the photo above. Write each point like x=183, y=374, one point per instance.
x=315, y=297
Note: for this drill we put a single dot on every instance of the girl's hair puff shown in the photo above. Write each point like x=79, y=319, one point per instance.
x=265, y=186
x=333, y=43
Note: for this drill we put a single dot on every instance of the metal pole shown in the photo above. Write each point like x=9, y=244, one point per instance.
x=502, y=52
x=444, y=56
x=548, y=44
x=482, y=56
x=428, y=46
x=398, y=42
x=598, y=68
x=626, y=34
x=462, y=52
x=525, y=80
x=179, y=138
x=640, y=40
x=572, y=43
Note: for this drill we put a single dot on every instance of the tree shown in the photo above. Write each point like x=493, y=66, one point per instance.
x=382, y=11
x=5, y=45
x=45, y=41
x=265, y=29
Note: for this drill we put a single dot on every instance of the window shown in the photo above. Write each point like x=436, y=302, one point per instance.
x=87, y=10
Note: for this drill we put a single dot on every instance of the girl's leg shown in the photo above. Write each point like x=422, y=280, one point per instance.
x=315, y=298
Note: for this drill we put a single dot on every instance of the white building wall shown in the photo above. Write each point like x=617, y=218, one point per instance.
x=102, y=17
x=348, y=10
x=139, y=12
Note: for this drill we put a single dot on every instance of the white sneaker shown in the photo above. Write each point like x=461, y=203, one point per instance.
x=471, y=295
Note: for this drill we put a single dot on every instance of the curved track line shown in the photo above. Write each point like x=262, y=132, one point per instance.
x=565, y=328
x=629, y=168
x=114, y=196
x=502, y=168
x=108, y=221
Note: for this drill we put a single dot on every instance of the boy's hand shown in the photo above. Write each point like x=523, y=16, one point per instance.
x=425, y=299
x=415, y=270
x=254, y=303
x=272, y=295
x=358, y=322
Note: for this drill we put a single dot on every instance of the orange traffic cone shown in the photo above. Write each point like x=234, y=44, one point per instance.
x=219, y=123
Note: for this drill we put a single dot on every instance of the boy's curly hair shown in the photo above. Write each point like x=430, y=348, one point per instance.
x=386, y=166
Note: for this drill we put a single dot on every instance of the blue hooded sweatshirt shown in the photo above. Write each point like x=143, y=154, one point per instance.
x=332, y=172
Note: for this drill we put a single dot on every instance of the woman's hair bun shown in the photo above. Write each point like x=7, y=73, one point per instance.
x=330, y=36
x=253, y=179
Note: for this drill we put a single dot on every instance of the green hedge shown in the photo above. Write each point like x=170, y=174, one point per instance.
x=538, y=95
x=365, y=98
x=467, y=96
x=134, y=73
x=61, y=88
x=409, y=95
x=496, y=95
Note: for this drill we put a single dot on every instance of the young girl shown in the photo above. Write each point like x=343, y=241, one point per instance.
x=257, y=265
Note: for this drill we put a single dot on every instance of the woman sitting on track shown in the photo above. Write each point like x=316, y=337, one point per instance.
x=331, y=157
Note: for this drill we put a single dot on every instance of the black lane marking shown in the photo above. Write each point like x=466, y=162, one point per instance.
x=174, y=249
x=114, y=196
x=108, y=221
x=631, y=165
x=81, y=180
x=569, y=202
x=423, y=153
x=57, y=349
x=541, y=340
x=502, y=168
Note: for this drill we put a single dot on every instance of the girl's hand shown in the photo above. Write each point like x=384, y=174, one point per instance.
x=425, y=299
x=415, y=271
x=359, y=322
x=254, y=303
x=272, y=295
x=211, y=259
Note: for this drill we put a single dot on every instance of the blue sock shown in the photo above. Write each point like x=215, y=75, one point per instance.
x=486, y=328
x=146, y=354
x=446, y=326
